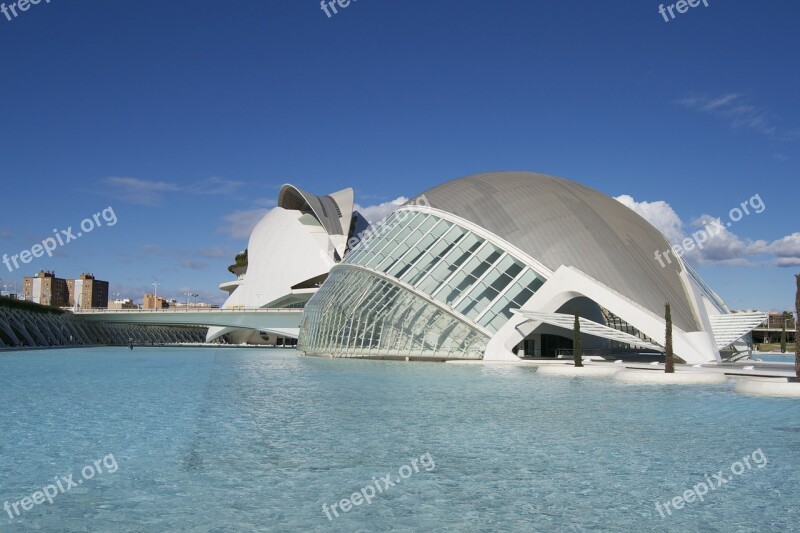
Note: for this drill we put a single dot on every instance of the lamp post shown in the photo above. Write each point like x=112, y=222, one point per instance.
x=155, y=296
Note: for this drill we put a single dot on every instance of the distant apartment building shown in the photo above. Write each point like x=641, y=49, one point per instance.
x=151, y=301
x=778, y=320
x=86, y=292
x=46, y=289
x=770, y=330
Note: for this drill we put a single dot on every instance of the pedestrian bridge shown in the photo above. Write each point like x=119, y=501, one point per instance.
x=284, y=322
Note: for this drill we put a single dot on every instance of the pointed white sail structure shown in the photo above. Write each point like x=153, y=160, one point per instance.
x=289, y=254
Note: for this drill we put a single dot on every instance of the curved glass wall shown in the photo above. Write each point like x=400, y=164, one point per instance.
x=452, y=265
x=357, y=314
x=465, y=273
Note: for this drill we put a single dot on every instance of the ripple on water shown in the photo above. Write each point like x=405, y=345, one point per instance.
x=239, y=439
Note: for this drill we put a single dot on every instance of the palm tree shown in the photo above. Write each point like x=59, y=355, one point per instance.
x=783, y=336
x=669, y=357
x=577, y=352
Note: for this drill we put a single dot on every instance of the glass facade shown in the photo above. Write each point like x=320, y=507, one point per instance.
x=474, y=283
x=357, y=314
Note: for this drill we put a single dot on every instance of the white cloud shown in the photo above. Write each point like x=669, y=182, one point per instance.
x=194, y=265
x=151, y=193
x=660, y=214
x=240, y=224
x=374, y=213
x=265, y=202
x=787, y=247
x=209, y=252
x=141, y=192
x=737, y=110
x=215, y=186
x=788, y=261
x=720, y=245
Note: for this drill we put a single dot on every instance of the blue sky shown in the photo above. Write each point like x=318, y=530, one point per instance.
x=186, y=117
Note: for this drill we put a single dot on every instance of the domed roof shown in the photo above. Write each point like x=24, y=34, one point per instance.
x=560, y=222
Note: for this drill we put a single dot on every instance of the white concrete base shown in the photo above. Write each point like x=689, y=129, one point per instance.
x=572, y=370
x=768, y=387
x=483, y=362
x=655, y=377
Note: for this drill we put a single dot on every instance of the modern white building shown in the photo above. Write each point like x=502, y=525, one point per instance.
x=289, y=254
x=493, y=266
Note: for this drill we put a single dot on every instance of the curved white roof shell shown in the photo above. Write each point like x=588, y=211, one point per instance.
x=292, y=247
x=560, y=222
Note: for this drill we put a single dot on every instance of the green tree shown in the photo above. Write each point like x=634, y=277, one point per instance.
x=577, y=351
x=669, y=357
x=240, y=262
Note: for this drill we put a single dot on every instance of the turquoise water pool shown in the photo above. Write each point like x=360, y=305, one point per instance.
x=209, y=439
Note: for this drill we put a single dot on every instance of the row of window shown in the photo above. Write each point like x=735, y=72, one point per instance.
x=450, y=264
x=359, y=314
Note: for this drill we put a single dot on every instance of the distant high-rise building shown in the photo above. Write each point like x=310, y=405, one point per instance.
x=86, y=292
x=46, y=289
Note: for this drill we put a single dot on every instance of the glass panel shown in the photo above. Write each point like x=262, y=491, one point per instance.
x=427, y=223
x=477, y=300
x=387, y=234
x=355, y=314
x=432, y=258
